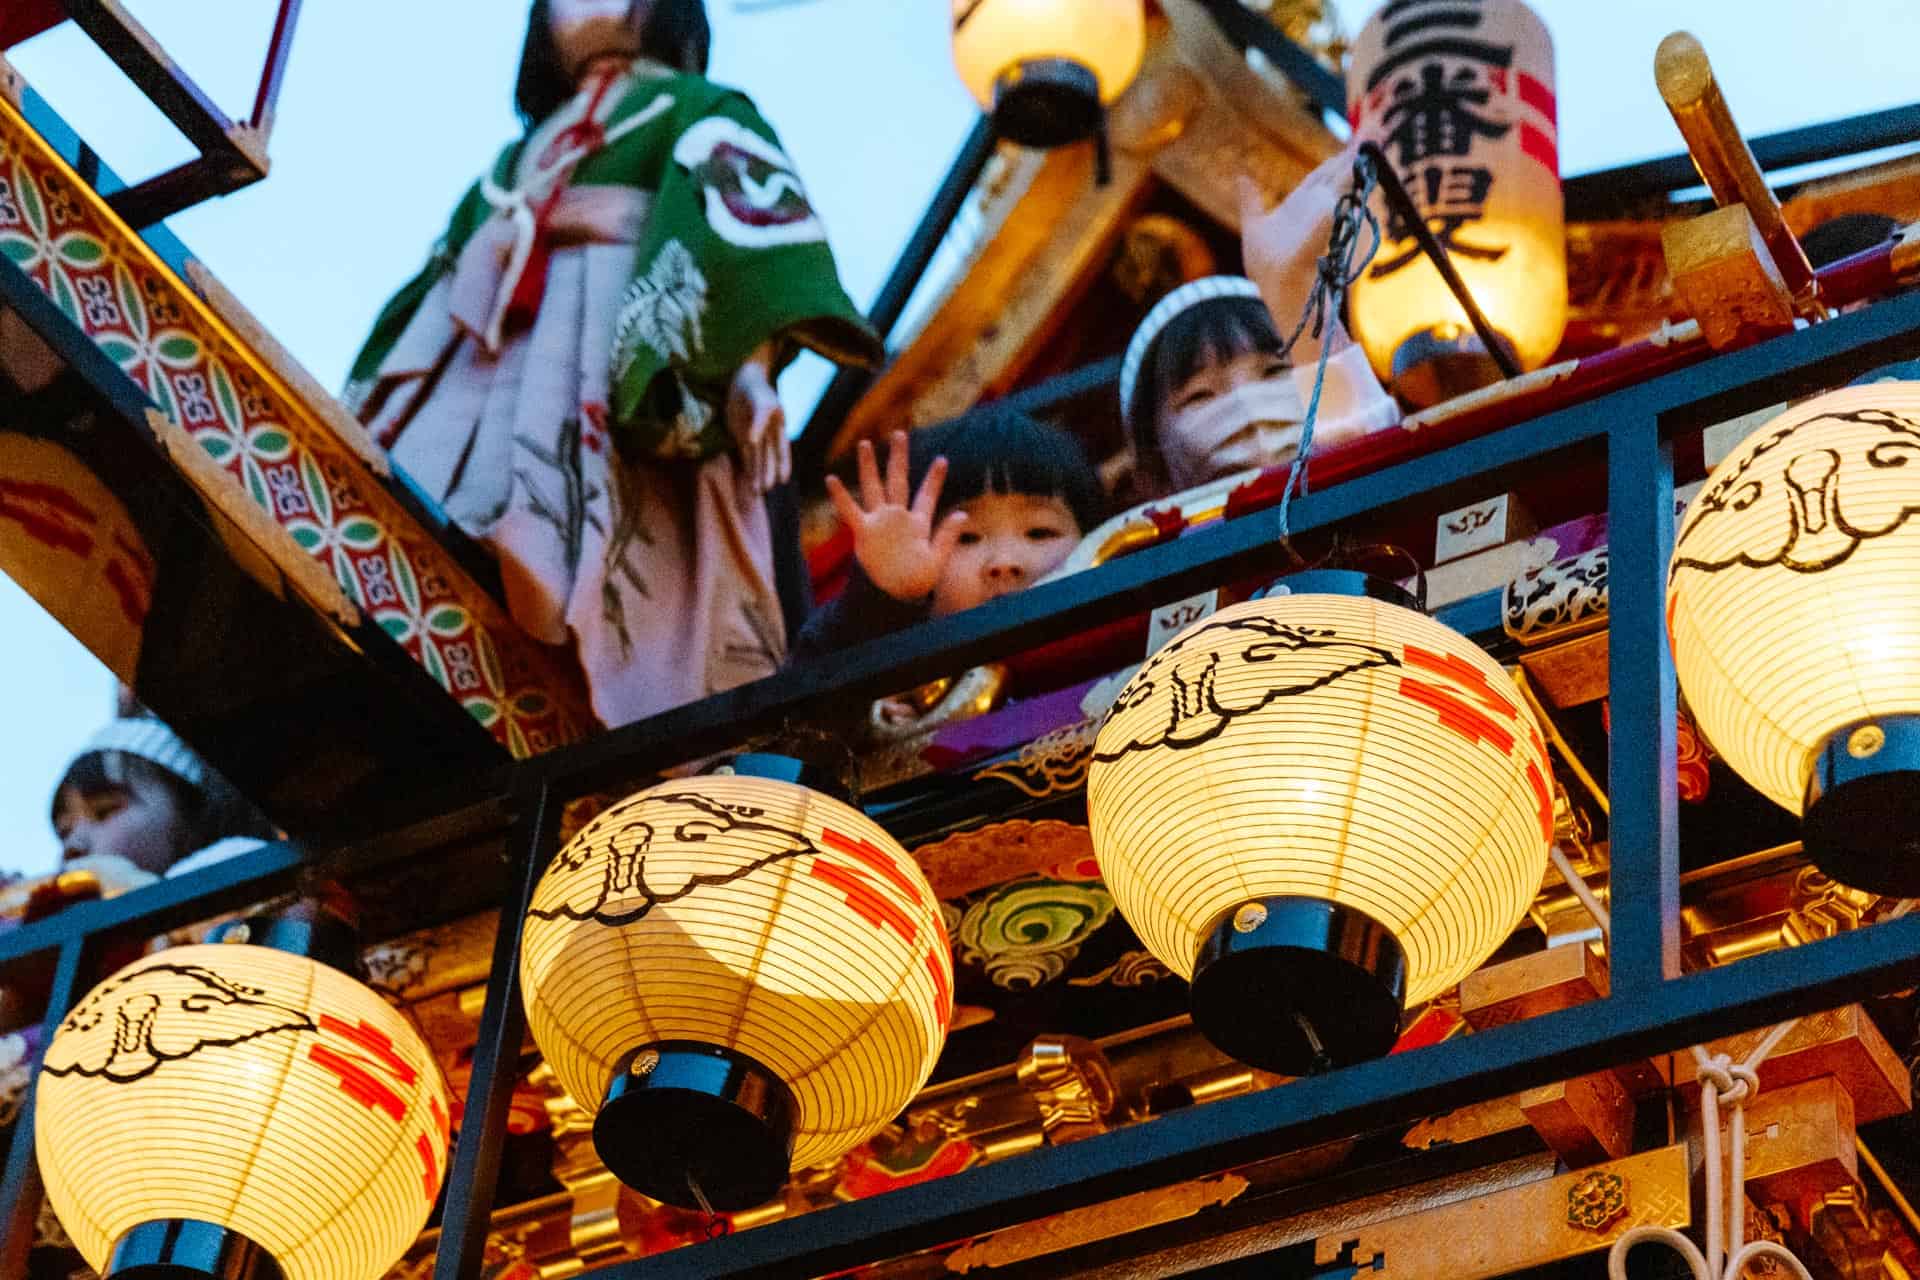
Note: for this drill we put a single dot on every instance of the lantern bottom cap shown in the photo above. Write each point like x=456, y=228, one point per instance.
x=188, y=1249
x=1299, y=985
x=1046, y=102
x=683, y=1114
x=1431, y=366
x=1862, y=823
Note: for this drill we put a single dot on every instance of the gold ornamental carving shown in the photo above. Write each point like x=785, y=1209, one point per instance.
x=1098, y=1222
x=970, y=860
x=1055, y=761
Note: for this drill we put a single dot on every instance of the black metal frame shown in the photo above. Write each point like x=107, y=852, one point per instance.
x=223, y=165
x=1650, y=1011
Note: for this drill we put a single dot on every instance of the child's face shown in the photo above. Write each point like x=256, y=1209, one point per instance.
x=139, y=821
x=1010, y=541
x=1232, y=415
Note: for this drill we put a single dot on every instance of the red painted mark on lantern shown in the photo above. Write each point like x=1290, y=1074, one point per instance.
x=430, y=1168
x=866, y=901
x=378, y=1043
x=360, y=1084
x=131, y=596
x=875, y=860
x=943, y=990
x=1456, y=714
x=48, y=514
x=1542, y=798
x=1537, y=145
x=1461, y=672
x=1537, y=95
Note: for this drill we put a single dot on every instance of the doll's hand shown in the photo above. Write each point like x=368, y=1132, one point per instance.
x=896, y=543
x=758, y=423
x=1281, y=247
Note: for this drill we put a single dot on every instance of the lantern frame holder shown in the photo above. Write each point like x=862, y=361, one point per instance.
x=1861, y=823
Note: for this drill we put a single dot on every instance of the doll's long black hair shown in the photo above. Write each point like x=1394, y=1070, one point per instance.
x=674, y=32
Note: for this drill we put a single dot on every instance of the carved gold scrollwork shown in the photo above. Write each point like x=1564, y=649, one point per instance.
x=1071, y=1081
x=1053, y=762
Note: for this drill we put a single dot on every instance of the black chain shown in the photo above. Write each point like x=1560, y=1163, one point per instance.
x=1334, y=275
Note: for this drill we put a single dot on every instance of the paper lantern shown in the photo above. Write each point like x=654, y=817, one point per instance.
x=209, y=1104
x=1793, y=604
x=1460, y=97
x=1045, y=68
x=743, y=975
x=1319, y=807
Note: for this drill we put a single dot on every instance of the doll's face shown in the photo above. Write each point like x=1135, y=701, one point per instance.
x=139, y=820
x=1011, y=541
x=1232, y=415
x=586, y=29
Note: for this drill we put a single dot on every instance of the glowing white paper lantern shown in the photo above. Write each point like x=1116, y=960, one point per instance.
x=1316, y=807
x=1044, y=68
x=736, y=965
x=1793, y=604
x=1460, y=96
x=240, y=1090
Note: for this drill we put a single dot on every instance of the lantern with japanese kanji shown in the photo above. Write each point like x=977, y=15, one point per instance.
x=238, y=1107
x=742, y=975
x=1460, y=97
x=1318, y=807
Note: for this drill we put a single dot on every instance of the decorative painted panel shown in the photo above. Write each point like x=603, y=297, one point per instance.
x=275, y=449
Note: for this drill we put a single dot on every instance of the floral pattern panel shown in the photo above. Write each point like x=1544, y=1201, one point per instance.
x=204, y=379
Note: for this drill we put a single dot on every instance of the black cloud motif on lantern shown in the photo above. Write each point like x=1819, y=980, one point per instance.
x=1810, y=528
x=1200, y=712
x=154, y=1027
x=694, y=819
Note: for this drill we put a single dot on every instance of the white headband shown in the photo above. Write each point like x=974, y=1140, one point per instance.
x=1188, y=295
x=153, y=742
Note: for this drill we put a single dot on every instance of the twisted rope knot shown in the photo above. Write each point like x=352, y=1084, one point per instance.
x=1733, y=1082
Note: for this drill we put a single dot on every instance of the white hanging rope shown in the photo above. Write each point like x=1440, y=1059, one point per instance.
x=1721, y=1080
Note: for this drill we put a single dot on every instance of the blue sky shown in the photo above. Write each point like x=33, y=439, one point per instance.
x=390, y=108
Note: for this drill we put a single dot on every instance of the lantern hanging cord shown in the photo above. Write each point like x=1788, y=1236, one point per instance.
x=1722, y=1080
x=1333, y=275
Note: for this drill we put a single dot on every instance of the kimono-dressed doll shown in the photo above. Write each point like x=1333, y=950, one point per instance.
x=582, y=377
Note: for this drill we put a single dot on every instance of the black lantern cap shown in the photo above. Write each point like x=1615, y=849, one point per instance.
x=1862, y=823
x=1299, y=985
x=685, y=1120
x=1047, y=102
x=188, y=1249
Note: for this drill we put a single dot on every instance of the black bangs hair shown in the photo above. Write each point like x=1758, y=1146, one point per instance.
x=1215, y=330
x=674, y=32
x=998, y=450
x=208, y=813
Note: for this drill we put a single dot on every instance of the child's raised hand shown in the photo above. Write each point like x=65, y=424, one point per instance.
x=895, y=541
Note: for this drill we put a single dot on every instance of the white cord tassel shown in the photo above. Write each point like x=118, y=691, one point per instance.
x=1721, y=1080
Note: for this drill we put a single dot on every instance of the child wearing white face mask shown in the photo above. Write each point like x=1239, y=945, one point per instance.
x=1207, y=389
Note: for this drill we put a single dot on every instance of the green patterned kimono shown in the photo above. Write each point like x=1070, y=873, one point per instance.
x=556, y=377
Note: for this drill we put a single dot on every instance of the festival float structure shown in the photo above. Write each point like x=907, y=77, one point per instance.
x=165, y=464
